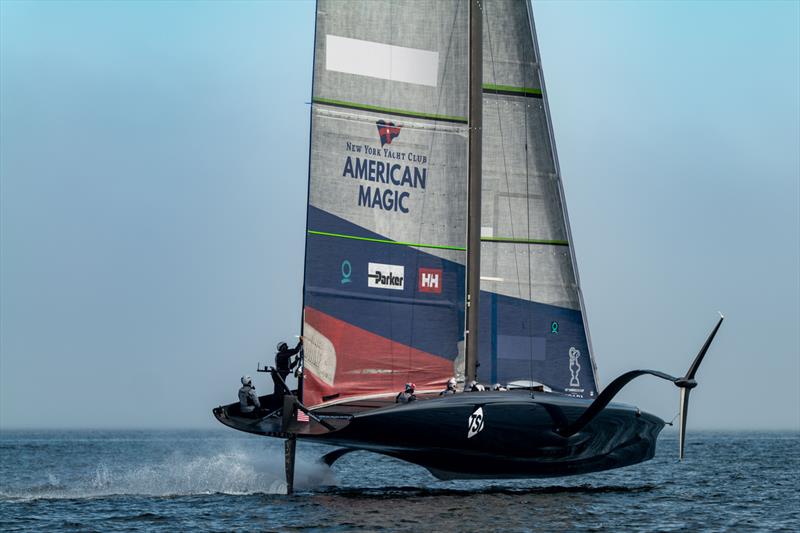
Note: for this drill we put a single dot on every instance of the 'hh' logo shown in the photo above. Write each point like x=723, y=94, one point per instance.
x=430, y=280
x=387, y=131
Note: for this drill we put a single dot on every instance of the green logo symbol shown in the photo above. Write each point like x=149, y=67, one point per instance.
x=554, y=327
x=347, y=271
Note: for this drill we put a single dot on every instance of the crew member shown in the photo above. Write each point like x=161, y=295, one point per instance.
x=284, y=363
x=407, y=395
x=498, y=387
x=451, y=387
x=474, y=386
x=248, y=399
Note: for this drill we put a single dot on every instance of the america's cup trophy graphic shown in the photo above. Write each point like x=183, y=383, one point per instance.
x=574, y=367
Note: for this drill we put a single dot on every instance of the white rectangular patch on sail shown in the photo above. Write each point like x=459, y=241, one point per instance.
x=383, y=61
x=386, y=276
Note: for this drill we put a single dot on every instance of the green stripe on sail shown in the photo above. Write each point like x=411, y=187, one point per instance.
x=524, y=241
x=511, y=89
x=403, y=112
x=385, y=241
x=438, y=246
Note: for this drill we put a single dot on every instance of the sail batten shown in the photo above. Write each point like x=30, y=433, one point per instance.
x=511, y=240
x=511, y=90
x=391, y=111
x=387, y=241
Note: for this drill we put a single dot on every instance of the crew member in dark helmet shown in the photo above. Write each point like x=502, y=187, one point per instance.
x=407, y=395
x=284, y=363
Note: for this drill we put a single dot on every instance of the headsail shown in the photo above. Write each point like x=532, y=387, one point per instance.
x=532, y=320
x=386, y=230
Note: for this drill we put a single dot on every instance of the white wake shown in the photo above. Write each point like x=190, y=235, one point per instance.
x=235, y=471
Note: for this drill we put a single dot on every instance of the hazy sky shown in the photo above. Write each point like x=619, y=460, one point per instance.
x=153, y=172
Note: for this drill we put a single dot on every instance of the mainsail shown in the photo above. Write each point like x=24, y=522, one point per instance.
x=386, y=230
x=384, y=292
x=531, y=309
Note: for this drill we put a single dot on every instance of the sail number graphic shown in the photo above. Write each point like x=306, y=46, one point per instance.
x=475, y=423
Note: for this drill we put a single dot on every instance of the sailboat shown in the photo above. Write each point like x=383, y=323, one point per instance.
x=438, y=246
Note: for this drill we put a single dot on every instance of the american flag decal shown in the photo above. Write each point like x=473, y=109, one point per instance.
x=301, y=416
x=387, y=131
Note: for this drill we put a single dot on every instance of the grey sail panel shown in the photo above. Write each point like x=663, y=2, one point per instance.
x=531, y=309
x=409, y=56
x=385, y=246
x=403, y=64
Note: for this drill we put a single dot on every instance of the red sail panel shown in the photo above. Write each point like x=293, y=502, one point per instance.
x=350, y=362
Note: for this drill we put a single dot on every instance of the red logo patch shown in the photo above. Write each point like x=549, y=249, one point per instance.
x=387, y=131
x=430, y=280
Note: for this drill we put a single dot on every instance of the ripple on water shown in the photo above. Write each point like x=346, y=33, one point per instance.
x=162, y=481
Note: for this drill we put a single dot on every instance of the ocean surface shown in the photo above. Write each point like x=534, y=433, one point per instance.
x=221, y=480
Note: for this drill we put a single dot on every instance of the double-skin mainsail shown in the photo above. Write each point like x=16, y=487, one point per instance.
x=385, y=274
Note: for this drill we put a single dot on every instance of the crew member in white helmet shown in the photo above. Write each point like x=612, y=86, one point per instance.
x=451, y=387
x=248, y=399
x=474, y=386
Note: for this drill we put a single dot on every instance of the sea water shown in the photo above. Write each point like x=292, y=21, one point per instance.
x=221, y=480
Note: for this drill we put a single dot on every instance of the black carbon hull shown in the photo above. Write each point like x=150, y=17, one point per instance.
x=514, y=436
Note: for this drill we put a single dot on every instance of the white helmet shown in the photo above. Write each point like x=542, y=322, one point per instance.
x=247, y=380
x=451, y=382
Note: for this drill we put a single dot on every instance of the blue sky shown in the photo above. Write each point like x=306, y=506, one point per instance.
x=153, y=167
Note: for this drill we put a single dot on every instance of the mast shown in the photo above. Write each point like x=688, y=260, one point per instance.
x=474, y=202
